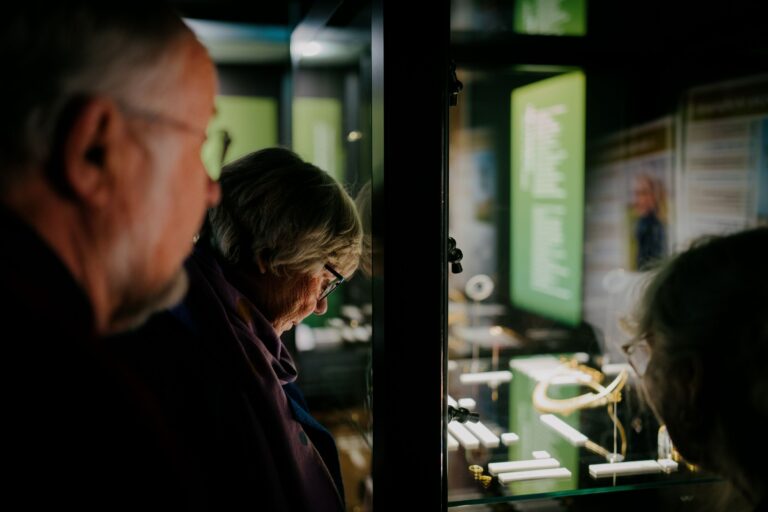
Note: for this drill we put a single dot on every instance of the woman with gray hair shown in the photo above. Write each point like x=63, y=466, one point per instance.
x=286, y=232
x=284, y=236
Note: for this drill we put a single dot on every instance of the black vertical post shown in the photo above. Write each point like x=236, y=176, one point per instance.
x=409, y=147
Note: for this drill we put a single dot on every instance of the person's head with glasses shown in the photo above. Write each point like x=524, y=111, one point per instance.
x=288, y=232
x=100, y=145
x=703, y=355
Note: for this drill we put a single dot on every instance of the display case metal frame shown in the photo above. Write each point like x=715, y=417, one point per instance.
x=409, y=114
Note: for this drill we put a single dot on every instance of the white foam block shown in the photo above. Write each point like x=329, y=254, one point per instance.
x=572, y=435
x=635, y=467
x=463, y=436
x=495, y=468
x=613, y=369
x=509, y=438
x=486, y=377
x=536, y=474
x=484, y=434
x=467, y=403
x=453, y=444
x=541, y=454
x=667, y=465
x=452, y=402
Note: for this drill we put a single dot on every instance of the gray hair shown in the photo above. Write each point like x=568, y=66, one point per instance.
x=363, y=202
x=285, y=214
x=58, y=53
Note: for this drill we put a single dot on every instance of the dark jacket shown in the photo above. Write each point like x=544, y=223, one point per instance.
x=649, y=233
x=79, y=431
x=226, y=378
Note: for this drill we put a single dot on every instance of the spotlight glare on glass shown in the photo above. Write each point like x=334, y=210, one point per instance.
x=311, y=49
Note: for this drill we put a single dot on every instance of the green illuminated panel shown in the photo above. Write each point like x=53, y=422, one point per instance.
x=317, y=136
x=535, y=435
x=551, y=17
x=250, y=121
x=548, y=196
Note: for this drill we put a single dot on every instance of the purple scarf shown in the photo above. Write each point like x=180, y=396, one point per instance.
x=300, y=471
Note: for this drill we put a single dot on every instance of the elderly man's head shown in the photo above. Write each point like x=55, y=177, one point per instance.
x=289, y=229
x=100, y=148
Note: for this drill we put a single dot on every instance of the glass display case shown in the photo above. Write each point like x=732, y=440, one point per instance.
x=509, y=233
x=589, y=142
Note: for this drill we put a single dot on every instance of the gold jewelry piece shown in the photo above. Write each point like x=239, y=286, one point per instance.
x=477, y=470
x=592, y=378
x=608, y=396
x=667, y=449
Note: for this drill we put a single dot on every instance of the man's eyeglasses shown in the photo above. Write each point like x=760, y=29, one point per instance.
x=335, y=282
x=214, y=150
x=638, y=353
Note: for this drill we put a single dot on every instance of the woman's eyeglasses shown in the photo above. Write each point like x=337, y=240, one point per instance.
x=638, y=353
x=335, y=282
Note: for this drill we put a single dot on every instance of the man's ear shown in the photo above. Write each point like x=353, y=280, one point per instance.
x=89, y=149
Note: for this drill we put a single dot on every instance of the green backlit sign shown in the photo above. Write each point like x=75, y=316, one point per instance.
x=551, y=17
x=548, y=196
x=317, y=137
x=251, y=122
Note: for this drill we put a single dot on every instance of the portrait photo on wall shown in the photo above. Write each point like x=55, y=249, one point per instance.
x=648, y=215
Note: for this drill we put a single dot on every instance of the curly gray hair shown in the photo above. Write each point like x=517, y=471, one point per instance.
x=285, y=215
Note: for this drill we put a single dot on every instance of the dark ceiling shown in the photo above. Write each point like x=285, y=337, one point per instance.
x=274, y=12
